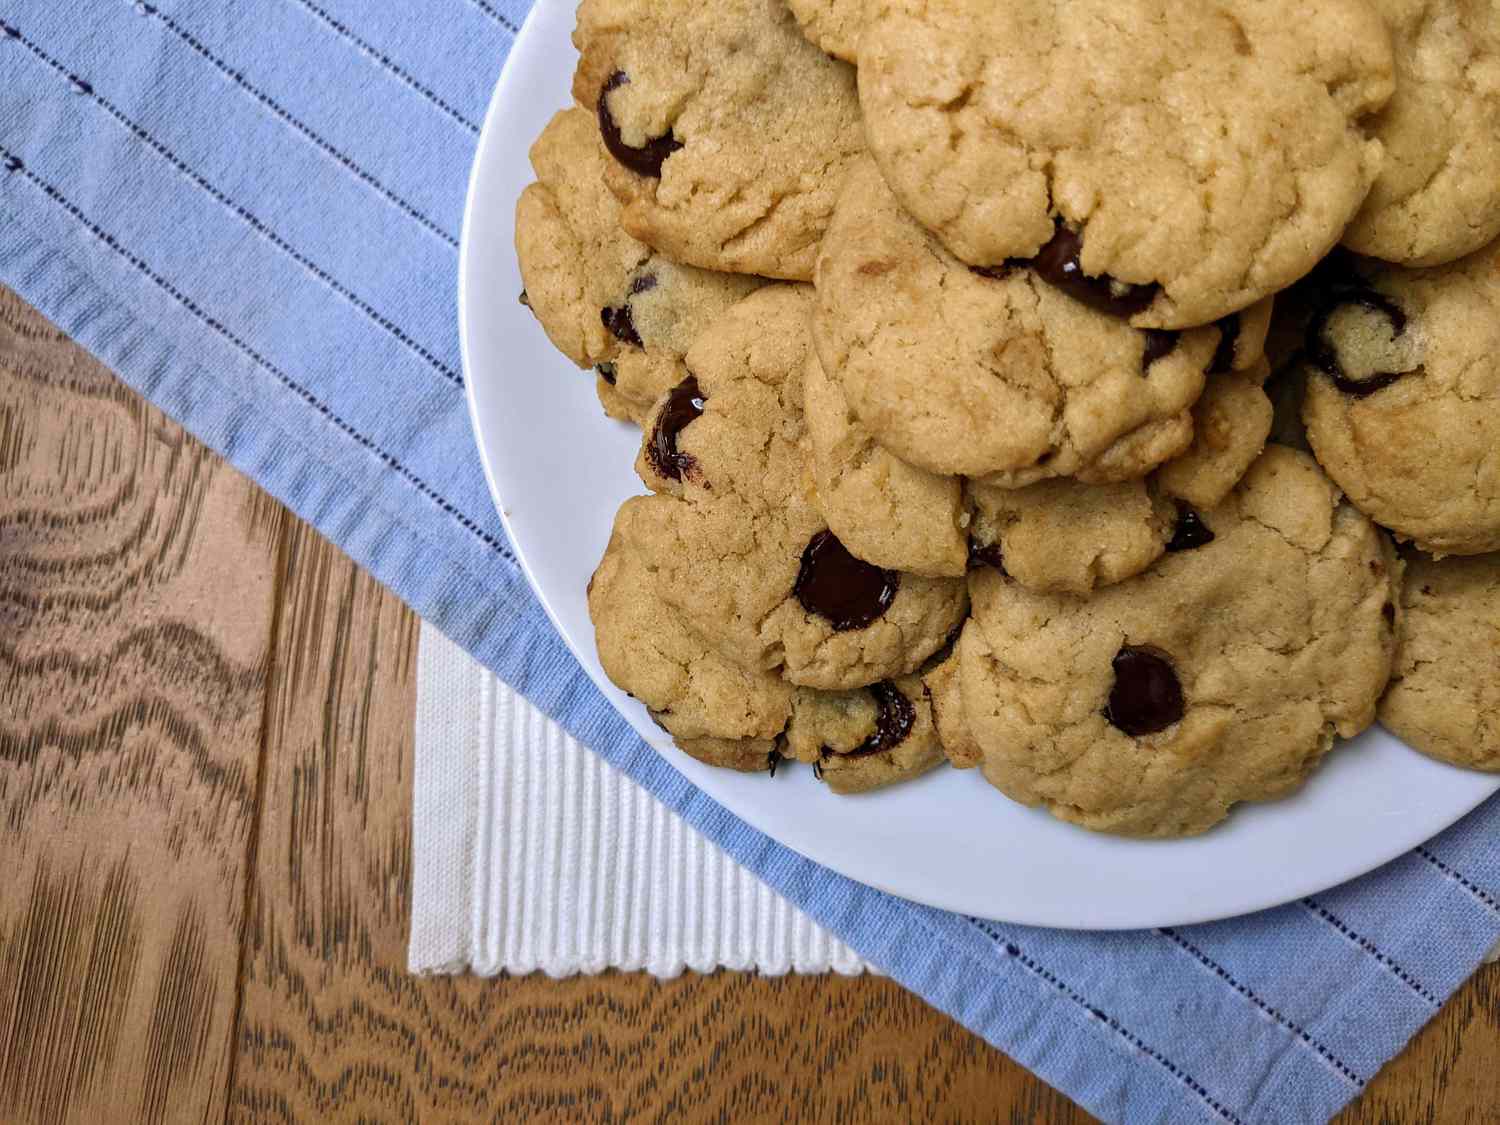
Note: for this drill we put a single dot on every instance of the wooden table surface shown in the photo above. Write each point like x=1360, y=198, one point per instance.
x=205, y=823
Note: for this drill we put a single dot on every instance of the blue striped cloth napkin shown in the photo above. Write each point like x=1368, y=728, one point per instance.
x=251, y=212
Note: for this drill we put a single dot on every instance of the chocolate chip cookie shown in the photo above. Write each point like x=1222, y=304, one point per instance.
x=1401, y=402
x=737, y=545
x=944, y=692
x=1445, y=696
x=1168, y=163
x=885, y=511
x=865, y=739
x=737, y=718
x=1437, y=197
x=1231, y=423
x=991, y=372
x=717, y=710
x=1064, y=537
x=605, y=300
x=729, y=131
x=1220, y=675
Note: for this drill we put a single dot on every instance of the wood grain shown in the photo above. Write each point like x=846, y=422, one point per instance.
x=136, y=583
x=331, y=1025
x=205, y=772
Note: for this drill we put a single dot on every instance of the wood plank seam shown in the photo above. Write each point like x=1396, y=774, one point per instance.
x=278, y=585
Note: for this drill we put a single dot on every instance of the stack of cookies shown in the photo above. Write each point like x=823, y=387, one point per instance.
x=1042, y=387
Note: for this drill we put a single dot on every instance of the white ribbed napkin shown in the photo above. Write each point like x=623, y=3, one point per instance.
x=531, y=853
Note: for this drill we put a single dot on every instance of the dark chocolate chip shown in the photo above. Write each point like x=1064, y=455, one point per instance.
x=1229, y=337
x=986, y=554
x=1325, y=357
x=607, y=373
x=894, y=718
x=620, y=320
x=1147, y=696
x=684, y=404
x=1160, y=343
x=1059, y=263
x=644, y=161
x=621, y=324
x=848, y=592
x=1191, y=532
x=1388, y=611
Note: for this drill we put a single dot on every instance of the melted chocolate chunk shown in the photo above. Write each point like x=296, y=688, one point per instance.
x=1325, y=357
x=1147, y=696
x=1229, y=336
x=644, y=161
x=621, y=324
x=620, y=320
x=1160, y=343
x=524, y=299
x=847, y=592
x=684, y=404
x=607, y=373
x=1388, y=611
x=981, y=554
x=1191, y=532
x=1060, y=264
x=893, y=721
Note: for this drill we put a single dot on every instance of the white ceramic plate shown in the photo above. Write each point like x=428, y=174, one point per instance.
x=558, y=469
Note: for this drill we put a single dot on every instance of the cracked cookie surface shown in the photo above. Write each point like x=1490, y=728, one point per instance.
x=605, y=300
x=1220, y=675
x=965, y=374
x=885, y=511
x=1438, y=194
x=1402, y=401
x=737, y=127
x=1231, y=423
x=1214, y=150
x=716, y=710
x=1445, y=696
x=737, y=544
x=1060, y=536
x=832, y=25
